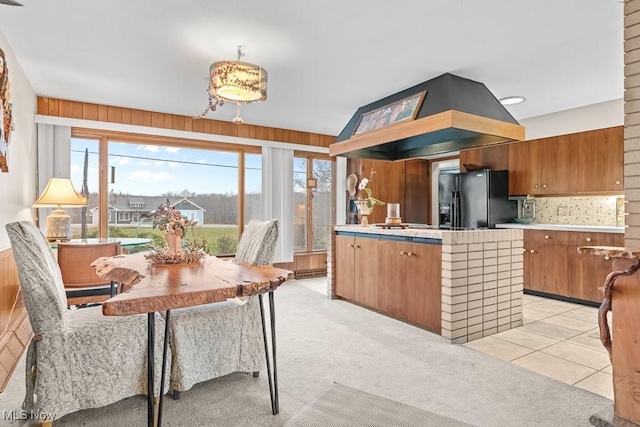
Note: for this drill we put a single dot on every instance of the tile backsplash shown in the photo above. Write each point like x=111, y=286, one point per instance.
x=591, y=210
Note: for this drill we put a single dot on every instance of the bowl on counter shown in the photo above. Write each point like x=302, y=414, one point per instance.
x=524, y=220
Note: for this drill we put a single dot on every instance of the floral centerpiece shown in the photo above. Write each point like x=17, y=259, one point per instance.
x=168, y=219
x=366, y=201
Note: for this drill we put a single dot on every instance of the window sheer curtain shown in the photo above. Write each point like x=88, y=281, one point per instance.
x=341, y=195
x=277, y=197
x=54, y=160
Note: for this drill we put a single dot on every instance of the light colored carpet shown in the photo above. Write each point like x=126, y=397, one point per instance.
x=322, y=341
x=341, y=406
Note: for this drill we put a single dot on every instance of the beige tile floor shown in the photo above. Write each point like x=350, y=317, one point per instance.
x=559, y=340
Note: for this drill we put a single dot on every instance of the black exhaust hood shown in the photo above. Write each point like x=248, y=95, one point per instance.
x=455, y=114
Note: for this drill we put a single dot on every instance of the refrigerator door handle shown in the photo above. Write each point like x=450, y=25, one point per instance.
x=452, y=210
x=455, y=209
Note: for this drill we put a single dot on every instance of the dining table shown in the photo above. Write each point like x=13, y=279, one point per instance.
x=153, y=288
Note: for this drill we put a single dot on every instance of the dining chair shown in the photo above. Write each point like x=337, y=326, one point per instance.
x=81, y=283
x=213, y=340
x=77, y=359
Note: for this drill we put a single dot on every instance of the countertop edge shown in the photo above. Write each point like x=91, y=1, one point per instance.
x=565, y=227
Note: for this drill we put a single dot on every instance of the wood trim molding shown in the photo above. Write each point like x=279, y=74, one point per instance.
x=436, y=122
x=16, y=326
x=105, y=113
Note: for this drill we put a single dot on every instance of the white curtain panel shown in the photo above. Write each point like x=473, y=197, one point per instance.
x=341, y=190
x=277, y=197
x=54, y=160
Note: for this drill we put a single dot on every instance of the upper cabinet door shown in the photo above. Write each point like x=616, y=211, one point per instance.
x=523, y=168
x=556, y=166
x=603, y=161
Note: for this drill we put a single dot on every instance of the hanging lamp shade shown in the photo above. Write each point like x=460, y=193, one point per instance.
x=239, y=82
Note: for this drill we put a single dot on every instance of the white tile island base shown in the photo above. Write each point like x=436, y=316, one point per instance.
x=464, y=284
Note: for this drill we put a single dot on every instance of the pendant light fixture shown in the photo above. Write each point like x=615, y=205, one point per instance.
x=235, y=81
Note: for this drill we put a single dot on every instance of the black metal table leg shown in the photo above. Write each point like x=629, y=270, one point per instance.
x=273, y=378
x=150, y=362
x=164, y=365
x=272, y=315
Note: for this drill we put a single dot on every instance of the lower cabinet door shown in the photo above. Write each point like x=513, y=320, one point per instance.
x=367, y=276
x=423, y=281
x=345, y=268
x=548, y=268
x=585, y=274
x=393, y=286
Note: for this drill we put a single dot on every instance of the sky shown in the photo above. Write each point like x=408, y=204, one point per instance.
x=151, y=170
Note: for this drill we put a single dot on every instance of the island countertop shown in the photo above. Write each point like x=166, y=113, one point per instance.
x=447, y=237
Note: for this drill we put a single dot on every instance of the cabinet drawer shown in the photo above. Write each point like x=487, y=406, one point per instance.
x=578, y=238
x=550, y=237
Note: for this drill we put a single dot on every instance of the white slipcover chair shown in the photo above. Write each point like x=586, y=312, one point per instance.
x=77, y=359
x=213, y=340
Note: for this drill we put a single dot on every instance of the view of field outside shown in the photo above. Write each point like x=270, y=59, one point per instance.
x=141, y=177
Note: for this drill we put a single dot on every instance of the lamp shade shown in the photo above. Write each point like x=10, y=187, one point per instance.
x=237, y=81
x=59, y=192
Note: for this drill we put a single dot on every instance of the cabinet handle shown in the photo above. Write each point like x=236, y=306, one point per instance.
x=524, y=250
x=357, y=246
x=532, y=251
x=617, y=182
x=588, y=239
x=537, y=186
x=544, y=186
x=546, y=237
x=352, y=246
x=411, y=254
x=403, y=253
x=606, y=257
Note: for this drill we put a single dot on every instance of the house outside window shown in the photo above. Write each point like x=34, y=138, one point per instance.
x=124, y=216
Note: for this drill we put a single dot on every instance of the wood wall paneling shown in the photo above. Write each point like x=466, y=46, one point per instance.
x=112, y=114
x=405, y=182
x=16, y=325
x=625, y=332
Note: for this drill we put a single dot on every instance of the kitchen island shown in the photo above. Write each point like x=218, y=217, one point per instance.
x=463, y=285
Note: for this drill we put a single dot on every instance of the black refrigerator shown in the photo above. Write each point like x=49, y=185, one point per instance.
x=478, y=199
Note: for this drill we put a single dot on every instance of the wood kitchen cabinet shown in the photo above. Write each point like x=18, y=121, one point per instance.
x=345, y=280
x=409, y=290
x=357, y=279
x=393, y=276
x=579, y=163
x=548, y=268
x=553, y=265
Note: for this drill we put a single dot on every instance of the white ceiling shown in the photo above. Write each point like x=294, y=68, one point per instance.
x=325, y=58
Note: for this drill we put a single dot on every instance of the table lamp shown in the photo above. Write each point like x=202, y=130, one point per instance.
x=58, y=193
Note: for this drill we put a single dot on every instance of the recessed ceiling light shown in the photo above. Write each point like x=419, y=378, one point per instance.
x=511, y=100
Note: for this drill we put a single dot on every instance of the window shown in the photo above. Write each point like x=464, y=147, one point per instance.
x=85, y=178
x=252, y=187
x=123, y=217
x=109, y=216
x=189, y=178
x=313, y=203
x=300, y=229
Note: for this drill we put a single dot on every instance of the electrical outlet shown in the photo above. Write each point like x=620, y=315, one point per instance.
x=563, y=210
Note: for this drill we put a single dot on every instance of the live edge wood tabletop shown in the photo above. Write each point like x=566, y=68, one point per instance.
x=160, y=287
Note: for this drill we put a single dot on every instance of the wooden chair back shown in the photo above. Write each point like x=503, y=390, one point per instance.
x=75, y=262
